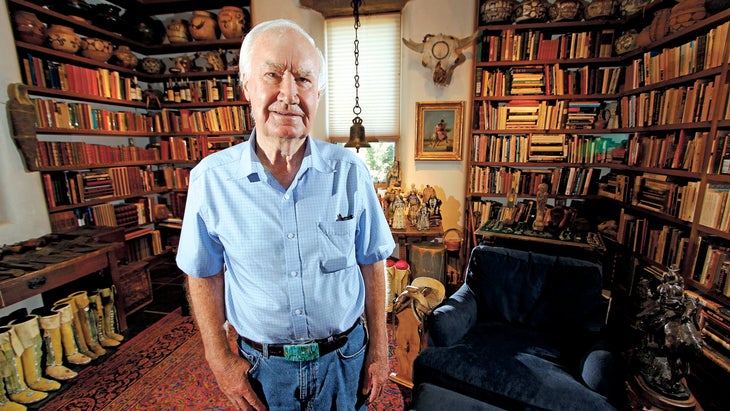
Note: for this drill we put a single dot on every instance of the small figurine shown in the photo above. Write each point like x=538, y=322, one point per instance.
x=393, y=176
x=414, y=203
x=434, y=210
x=423, y=222
x=542, y=193
x=399, y=213
x=667, y=325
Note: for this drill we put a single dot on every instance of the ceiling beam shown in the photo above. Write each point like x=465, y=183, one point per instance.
x=339, y=8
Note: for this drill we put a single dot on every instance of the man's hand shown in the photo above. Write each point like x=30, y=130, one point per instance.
x=231, y=373
x=376, y=372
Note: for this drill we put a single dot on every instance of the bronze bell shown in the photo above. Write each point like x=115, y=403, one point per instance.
x=357, y=135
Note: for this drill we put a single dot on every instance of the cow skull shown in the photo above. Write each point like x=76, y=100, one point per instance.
x=442, y=53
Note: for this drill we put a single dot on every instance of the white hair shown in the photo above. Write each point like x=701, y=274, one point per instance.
x=244, y=60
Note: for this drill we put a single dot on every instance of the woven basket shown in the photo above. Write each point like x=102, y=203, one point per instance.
x=453, y=239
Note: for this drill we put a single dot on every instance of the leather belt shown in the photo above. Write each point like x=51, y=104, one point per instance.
x=303, y=352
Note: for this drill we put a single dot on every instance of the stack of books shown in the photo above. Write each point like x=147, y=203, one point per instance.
x=527, y=80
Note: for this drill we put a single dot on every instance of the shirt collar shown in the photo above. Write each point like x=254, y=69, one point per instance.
x=312, y=157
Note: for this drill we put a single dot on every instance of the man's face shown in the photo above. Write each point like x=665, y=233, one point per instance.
x=282, y=86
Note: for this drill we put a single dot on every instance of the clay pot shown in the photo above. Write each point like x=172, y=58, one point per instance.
x=631, y=7
x=124, y=57
x=203, y=26
x=29, y=28
x=686, y=13
x=141, y=27
x=63, y=38
x=233, y=21
x=152, y=65
x=177, y=31
x=531, y=11
x=626, y=42
x=566, y=10
x=96, y=49
x=496, y=11
x=597, y=9
x=106, y=16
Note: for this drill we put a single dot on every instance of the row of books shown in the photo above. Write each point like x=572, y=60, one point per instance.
x=539, y=115
x=142, y=243
x=716, y=207
x=133, y=211
x=663, y=244
x=714, y=325
x=702, y=53
x=659, y=193
x=570, y=181
x=710, y=266
x=675, y=105
x=719, y=163
x=511, y=45
x=514, y=148
x=79, y=153
x=218, y=119
x=546, y=80
x=98, y=82
x=679, y=150
x=74, y=187
x=202, y=91
x=51, y=113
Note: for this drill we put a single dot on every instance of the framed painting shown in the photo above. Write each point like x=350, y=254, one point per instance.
x=438, y=130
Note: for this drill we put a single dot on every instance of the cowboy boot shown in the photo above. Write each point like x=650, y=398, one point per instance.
x=68, y=340
x=12, y=369
x=6, y=404
x=78, y=332
x=96, y=310
x=88, y=324
x=390, y=296
x=29, y=333
x=51, y=325
x=111, y=321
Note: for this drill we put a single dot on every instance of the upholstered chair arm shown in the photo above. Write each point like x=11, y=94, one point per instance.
x=449, y=322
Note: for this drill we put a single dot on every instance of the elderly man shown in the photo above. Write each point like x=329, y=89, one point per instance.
x=284, y=238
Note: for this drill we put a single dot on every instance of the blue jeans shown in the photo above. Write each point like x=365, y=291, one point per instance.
x=331, y=382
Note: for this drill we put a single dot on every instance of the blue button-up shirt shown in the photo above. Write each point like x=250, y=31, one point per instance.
x=291, y=255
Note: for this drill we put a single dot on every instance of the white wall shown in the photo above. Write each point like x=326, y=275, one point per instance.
x=23, y=213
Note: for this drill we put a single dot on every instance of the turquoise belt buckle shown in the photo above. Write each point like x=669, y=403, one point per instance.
x=301, y=352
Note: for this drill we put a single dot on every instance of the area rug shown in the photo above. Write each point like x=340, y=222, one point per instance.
x=163, y=369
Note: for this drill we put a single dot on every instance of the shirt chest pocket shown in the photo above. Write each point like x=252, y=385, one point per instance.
x=336, y=245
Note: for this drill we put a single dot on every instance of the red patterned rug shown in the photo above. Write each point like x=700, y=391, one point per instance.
x=162, y=369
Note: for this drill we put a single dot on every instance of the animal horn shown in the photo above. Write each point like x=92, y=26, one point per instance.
x=466, y=40
x=417, y=47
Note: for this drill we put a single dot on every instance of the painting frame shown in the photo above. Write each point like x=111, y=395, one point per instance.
x=439, y=130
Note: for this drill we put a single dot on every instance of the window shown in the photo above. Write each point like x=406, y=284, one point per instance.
x=379, y=70
x=379, y=158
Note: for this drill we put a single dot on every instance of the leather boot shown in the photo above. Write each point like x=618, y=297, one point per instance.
x=6, y=404
x=88, y=324
x=12, y=369
x=96, y=310
x=78, y=331
x=68, y=340
x=51, y=325
x=111, y=321
x=390, y=296
x=29, y=333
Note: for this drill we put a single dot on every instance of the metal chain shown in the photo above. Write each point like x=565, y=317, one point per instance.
x=356, y=6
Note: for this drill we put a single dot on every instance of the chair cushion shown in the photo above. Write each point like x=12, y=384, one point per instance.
x=511, y=367
x=535, y=290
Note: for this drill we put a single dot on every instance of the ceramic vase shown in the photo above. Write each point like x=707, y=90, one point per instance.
x=29, y=28
x=601, y=9
x=152, y=65
x=496, y=11
x=203, y=26
x=96, y=49
x=177, y=31
x=531, y=11
x=566, y=10
x=63, y=38
x=233, y=22
x=106, y=16
x=124, y=57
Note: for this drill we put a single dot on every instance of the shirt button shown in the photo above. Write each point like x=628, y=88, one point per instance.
x=298, y=312
x=290, y=235
x=293, y=273
x=286, y=196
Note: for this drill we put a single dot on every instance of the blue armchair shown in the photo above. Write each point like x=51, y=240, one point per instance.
x=523, y=332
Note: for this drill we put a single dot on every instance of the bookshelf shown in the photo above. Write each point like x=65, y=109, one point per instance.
x=553, y=101
x=114, y=145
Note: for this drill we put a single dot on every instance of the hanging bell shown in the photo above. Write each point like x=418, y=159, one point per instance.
x=357, y=135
